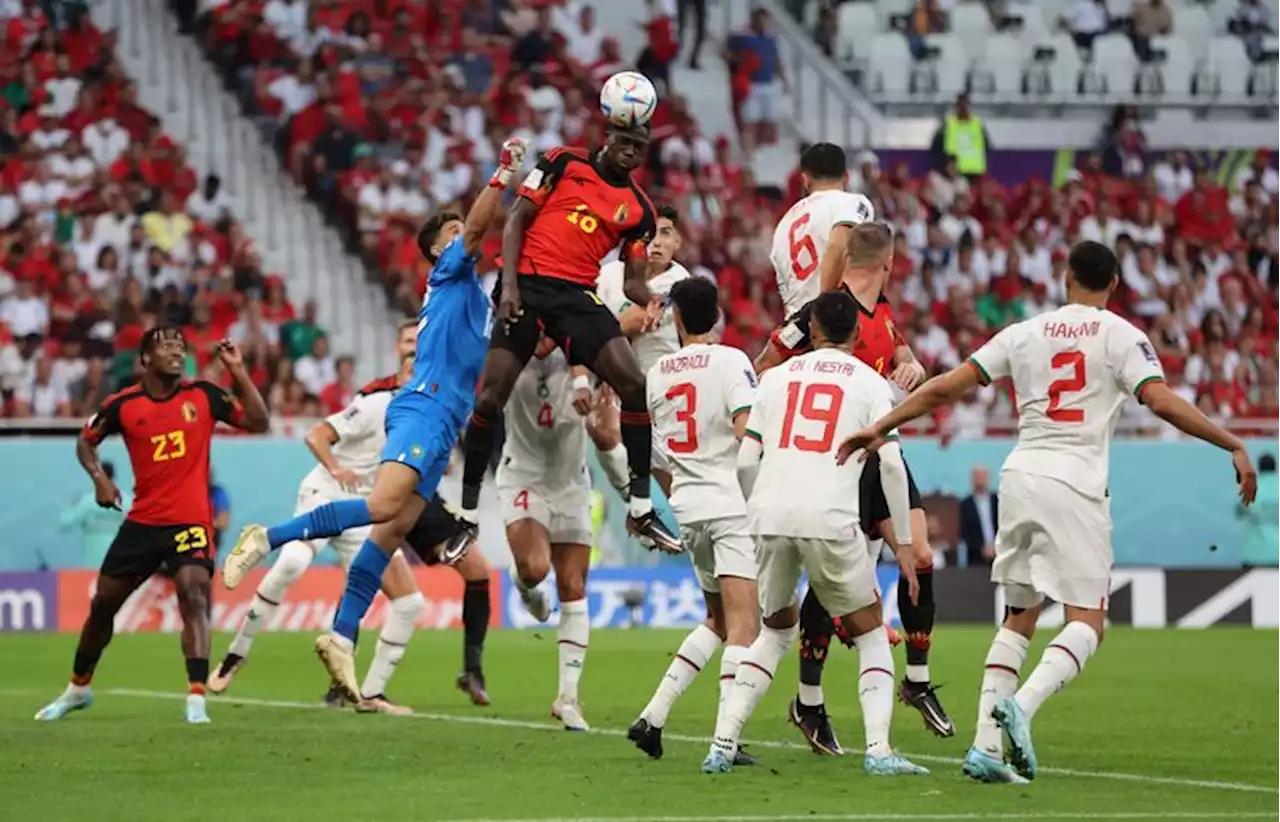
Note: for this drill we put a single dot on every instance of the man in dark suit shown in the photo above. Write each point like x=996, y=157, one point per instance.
x=978, y=518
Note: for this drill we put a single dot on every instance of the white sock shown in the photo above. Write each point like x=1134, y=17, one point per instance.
x=811, y=695
x=696, y=650
x=875, y=688
x=730, y=658
x=638, y=507
x=755, y=672
x=397, y=629
x=918, y=673
x=999, y=681
x=614, y=464
x=292, y=562
x=572, y=637
x=75, y=690
x=1061, y=662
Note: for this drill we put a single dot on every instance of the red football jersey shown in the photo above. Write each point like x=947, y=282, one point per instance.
x=168, y=443
x=877, y=337
x=582, y=217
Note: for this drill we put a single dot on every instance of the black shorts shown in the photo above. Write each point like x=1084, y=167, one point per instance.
x=436, y=524
x=872, y=504
x=142, y=550
x=571, y=314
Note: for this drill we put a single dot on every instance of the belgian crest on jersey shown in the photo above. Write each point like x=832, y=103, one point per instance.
x=189, y=411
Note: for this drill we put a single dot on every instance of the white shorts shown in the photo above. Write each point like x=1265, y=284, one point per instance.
x=763, y=103
x=841, y=573
x=720, y=547
x=564, y=512
x=346, y=544
x=1053, y=540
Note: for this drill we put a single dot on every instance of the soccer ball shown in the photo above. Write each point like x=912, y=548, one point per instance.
x=628, y=98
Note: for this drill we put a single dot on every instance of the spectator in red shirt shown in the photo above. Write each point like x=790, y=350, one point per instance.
x=338, y=394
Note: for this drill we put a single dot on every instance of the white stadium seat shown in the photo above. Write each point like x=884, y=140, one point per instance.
x=856, y=25
x=1219, y=14
x=1178, y=69
x=890, y=64
x=1034, y=25
x=1192, y=24
x=997, y=71
x=1113, y=67
x=951, y=66
x=1064, y=72
x=888, y=8
x=971, y=23
x=1228, y=68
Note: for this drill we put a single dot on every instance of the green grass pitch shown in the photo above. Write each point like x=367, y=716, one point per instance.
x=1162, y=725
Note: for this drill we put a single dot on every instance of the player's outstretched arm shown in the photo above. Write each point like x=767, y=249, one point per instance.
x=518, y=222
x=252, y=416
x=486, y=207
x=893, y=479
x=943, y=389
x=1184, y=416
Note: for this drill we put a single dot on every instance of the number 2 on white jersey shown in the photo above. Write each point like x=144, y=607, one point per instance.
x=1073, y=381
x=801, y=248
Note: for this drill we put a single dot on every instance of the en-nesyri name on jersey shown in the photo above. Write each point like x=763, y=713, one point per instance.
x=801, y=237
x=1072, y=371
x=694, y=394
x=362, y=433
x=803, y=411
x=546, y=437
x=662, y=340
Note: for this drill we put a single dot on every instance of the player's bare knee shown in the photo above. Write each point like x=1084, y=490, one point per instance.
x=532, y=570
x=783, y=620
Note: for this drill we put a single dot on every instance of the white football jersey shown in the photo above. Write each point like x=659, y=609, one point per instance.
x=650, y=345
x=693, y=396
x=362, y=433
x=1072, y=371
x=801, y=238
x=546, y=438
x=804, y=409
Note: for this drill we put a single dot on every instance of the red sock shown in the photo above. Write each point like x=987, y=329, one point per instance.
x=81, y=680
x=195, y=688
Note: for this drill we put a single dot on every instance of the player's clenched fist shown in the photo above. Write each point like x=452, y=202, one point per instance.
x=229, y=354
x=105, y=492
x=510, y=159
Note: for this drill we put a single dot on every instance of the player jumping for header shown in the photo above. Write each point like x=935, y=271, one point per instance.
x=167, y=426
x=574, y=209
x=422, y=422
x=1072, y=370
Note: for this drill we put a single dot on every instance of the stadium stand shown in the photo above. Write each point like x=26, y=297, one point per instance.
x=107, y=230
x=1219, y=53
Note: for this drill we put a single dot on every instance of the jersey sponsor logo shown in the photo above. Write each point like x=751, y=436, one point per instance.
x=1148, y=352
x=189, y=412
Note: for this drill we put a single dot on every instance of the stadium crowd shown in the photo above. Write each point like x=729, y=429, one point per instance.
x=385, y=109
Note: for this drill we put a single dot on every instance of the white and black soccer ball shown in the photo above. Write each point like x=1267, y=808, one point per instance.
x=628, y=98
